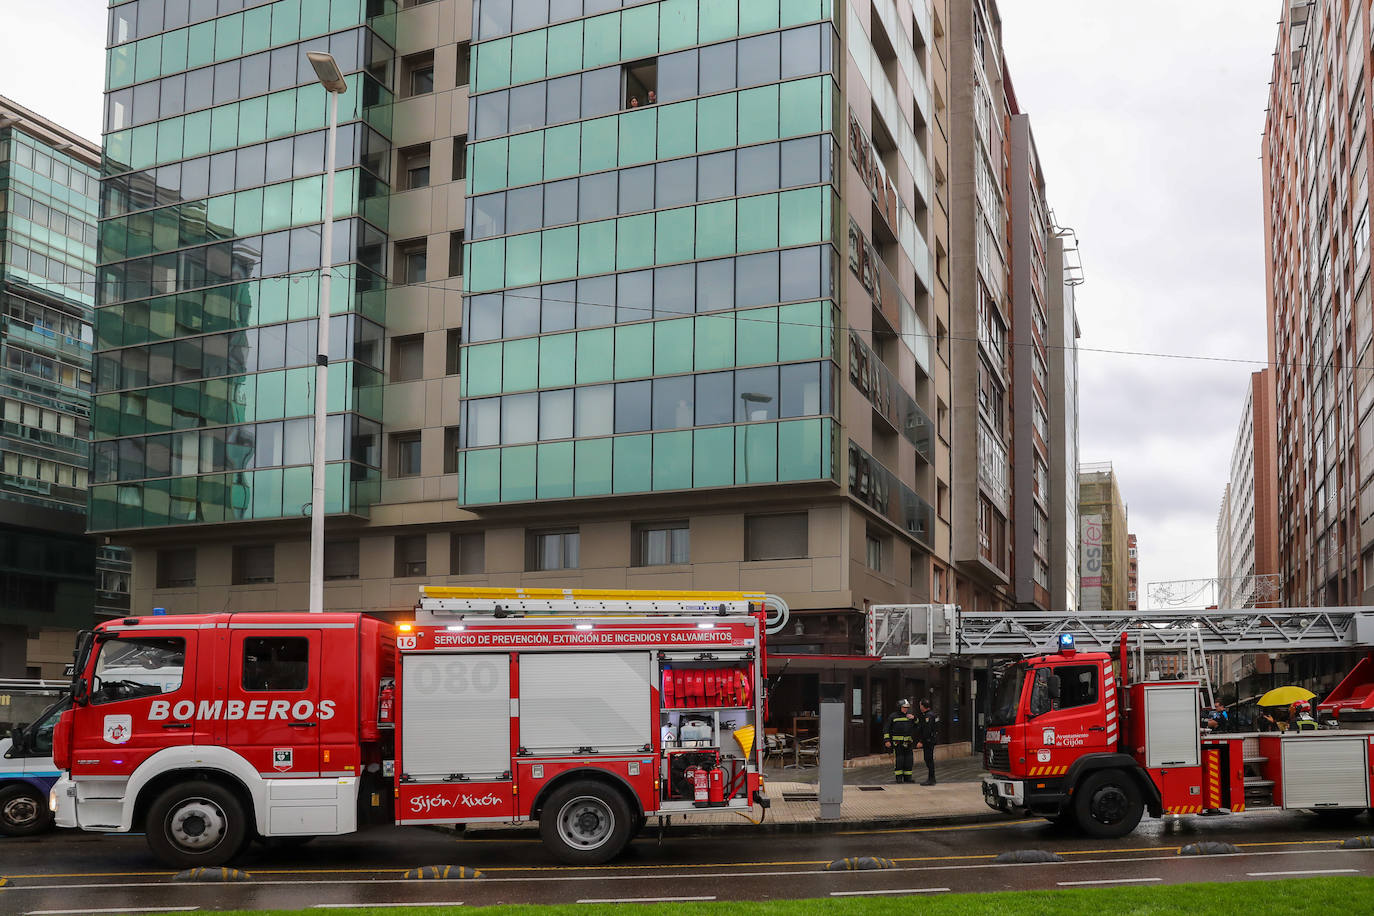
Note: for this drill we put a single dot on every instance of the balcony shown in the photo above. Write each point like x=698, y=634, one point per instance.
x=889, y=398
x=878, y=488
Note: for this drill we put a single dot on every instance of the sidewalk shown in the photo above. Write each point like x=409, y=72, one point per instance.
x=871, y=801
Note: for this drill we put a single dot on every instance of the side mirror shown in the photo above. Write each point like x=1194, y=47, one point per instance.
x=81, y=692
x=1054, y=686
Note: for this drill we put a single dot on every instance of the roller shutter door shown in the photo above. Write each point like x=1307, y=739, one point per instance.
x=455, y=715
x=584, y=699
x=1172, y=735
x=1325, y=772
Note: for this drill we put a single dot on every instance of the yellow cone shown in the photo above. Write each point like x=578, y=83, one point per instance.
x=745, y=737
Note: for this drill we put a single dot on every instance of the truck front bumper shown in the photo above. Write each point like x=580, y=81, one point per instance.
x=62, y=801
x=1004, y=794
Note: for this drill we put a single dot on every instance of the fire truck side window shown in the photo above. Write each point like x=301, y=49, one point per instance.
x=1077, y=685
x=132, y=667
x=276, y=663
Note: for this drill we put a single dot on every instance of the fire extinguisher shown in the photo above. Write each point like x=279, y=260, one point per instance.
x=716, y=786
x=700, y=782
x=386, y=701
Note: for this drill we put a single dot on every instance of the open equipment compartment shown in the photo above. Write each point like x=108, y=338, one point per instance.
x=705, y=697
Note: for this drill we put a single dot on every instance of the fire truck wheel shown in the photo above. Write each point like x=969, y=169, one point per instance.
x=585, y=823
x=1107, y=804
x=23, y=812
x=196, y=823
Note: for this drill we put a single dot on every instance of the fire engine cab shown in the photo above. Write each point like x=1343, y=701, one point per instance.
x=587, y=711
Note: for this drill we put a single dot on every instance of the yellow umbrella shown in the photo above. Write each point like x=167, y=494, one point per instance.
x=1282, y=696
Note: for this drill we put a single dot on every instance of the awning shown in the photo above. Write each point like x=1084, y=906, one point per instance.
x=799, y=663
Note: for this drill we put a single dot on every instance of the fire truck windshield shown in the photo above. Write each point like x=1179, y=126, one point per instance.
x=131, y=667
x=1007, y=696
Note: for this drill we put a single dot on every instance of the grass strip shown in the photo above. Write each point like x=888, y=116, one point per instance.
x=1318, y=896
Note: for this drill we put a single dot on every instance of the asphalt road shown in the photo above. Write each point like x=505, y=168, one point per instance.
x=68, y=873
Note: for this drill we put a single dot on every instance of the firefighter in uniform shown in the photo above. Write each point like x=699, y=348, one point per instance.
x=899, y=735
x=927, y=733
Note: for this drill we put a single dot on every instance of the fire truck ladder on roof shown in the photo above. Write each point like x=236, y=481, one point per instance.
x=440, y=603
x=934, y=631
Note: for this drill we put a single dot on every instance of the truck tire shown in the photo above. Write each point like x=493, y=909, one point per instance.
x=23, y=811
x=1107, y=804
x=586, y=823
x=196, y=823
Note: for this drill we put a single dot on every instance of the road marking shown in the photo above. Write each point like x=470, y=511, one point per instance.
x=645, y=899
x=115, y=909
x=1306, y=871
x=939, y=829
x=1108, y=881
x=351, y=906
x=893, y=891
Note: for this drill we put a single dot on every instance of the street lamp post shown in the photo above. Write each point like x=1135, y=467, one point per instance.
x=327, y=70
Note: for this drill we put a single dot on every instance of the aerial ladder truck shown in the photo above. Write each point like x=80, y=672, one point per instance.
x=1079, y=732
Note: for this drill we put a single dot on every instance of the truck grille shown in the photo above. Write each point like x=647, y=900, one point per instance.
x=996, y=757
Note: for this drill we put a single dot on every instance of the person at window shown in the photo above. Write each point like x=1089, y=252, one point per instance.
x=1265, y=722
x=634, y=102
x=653, y=99
x=928, y=733
x=899, y=735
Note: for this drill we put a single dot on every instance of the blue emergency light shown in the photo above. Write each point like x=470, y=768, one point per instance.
x=159, y=611
x=1066, y=641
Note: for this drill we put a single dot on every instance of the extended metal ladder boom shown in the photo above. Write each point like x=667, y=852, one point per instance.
x=442, y=603
x=933, y=631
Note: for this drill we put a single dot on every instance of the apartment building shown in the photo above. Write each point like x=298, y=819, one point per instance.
x=1132, y=575
x=1104, y=558
x=1247, y=524
x=49, y=192
x=635, y=298
x=1316, y=220
x=1066, y=275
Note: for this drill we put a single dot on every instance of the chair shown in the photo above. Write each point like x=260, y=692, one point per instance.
x=806, y=749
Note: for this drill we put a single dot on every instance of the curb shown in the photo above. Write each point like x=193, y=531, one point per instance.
x=774, y=827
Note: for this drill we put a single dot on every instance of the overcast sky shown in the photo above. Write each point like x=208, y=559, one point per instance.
x=1148, y=122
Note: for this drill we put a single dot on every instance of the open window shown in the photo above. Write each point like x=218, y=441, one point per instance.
x=640, y=84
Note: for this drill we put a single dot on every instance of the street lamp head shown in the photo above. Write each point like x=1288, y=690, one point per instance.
x=327, y=69
x=755, y=397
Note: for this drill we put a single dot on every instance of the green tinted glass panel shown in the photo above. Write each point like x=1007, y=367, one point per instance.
x=482, y=476
x=715, y=229
x=634, y=350
x=520, y=365
x=559, y=255
x=677, y=130
x=639, y=32
x=557, y=355
x=799, y=331
x=672, y=466
x=634, y=242
x=720, y=19
x=756, y=336
x=716, y=122
x=174, y=50
x=257, y=29
x=595, y=355
x=528, y=51
x=799, y=450
x=677, y=24
x=522, y=259
x=801, y=215
x=596, y=247
x=675, y=233
x=488, y=170
x=565, y=48
x=517, y=472
x=482, y=374
x=561, y=145
x=715, y=341
x=148, y=60
x=713, y=457
x=756, y=453
x=601, y=40
x=757, y=16
x=795, y=12
x=493, y=64
x=527, y=158
x=267, y=487
x=633, y=460
x=600, y=143
x=555, y=472
x=638, y=132
x=487, y=269
x=592, y=467
x=673, y=346
x=758, y=114
x=801, y=106
x=758, y=223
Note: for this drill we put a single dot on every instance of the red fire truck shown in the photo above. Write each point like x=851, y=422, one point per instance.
x=1072, y=738
x=587, y=711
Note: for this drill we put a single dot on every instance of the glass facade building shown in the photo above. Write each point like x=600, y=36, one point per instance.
x=653, y=196
x=49, y=192
x=209, y=260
